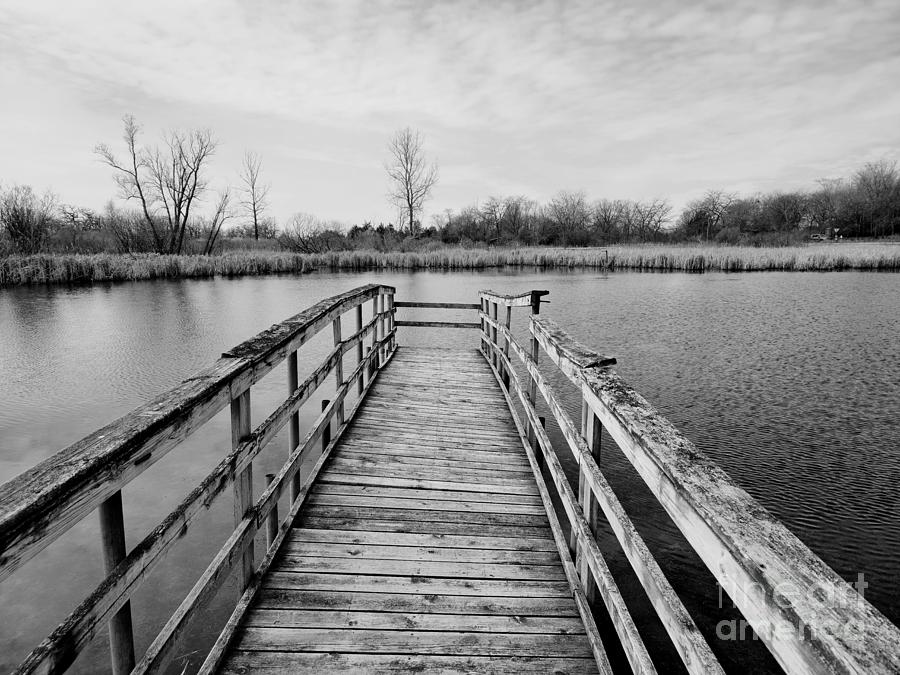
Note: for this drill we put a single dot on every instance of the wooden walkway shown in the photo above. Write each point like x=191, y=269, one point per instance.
x=423, y=546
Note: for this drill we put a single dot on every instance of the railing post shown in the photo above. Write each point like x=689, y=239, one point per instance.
x=112, y=534
x=535, y=347
x=536, y=445
x=294, y=423
x=591, y=429
x=326, y=432
x=390, y=322
x=481, y=316
x=379, y=329
x=573, y=539
x=494, y=358
x=359, y=349
x=506, y=324
x=338, y=369
x=535, y=350
x=243, y=482
x=373, y=366
x=272, y=518
x=366, y=375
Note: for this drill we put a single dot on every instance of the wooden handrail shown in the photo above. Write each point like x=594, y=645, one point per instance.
x=41, y=504
x=219, y=568
x=154, y=430
x=217, y=653
x=682, y=630
x=438, y=324
x=529, y=299
x=811, y=620
x=568, y=354
x=624, y=625
x=437, y=305
x=571, y=573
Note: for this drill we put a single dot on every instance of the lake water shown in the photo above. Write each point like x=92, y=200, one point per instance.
x=791, y=381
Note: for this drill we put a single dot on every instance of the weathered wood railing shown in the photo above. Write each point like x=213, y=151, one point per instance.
x=437, y=305
x=43, y=503
x=810, y=619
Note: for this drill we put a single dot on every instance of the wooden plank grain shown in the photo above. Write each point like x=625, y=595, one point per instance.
x=436, y=451
x=466, y=485
x=422, y=504
x=399, y=584
x=400, y=493
x=423, y=568
x=399, y=525
x=369, y=551
x=458, y=462
x=390, y=430
x=243, y=662
x=413, y=642
x=418, y=621
x=388, y=469
x=430, y=540
x=524, y=605
x=472, y=517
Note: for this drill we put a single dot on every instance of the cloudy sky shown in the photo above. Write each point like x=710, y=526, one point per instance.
x=631, y=100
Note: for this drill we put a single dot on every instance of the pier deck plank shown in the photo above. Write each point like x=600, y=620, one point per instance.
x=423, y=545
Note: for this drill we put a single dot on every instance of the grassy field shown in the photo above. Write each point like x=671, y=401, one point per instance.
x=65, y=268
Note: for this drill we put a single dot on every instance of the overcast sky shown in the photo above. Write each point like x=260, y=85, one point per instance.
x=627, y=100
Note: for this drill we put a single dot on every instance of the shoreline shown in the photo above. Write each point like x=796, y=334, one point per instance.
x=75, y=268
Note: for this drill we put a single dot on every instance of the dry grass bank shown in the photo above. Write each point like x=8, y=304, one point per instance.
x=74, y=268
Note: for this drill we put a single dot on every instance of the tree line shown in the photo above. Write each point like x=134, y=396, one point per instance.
x=865, y=204
x=166, y=183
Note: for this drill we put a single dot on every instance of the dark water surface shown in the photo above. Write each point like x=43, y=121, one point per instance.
x=791, y=381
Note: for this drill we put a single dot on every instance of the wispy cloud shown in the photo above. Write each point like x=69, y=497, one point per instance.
x=636, y=99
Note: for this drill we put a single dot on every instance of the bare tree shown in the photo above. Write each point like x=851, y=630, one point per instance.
x=255, y=193
x=411, y=178
x=27, y=219
x=221, y=214
x=165, y=181
x=492, y=217
x=707, y=213
x=825, y=202
x=569, y=214
x=516, y=211
x=305, y=233
x=878, y=188
x=648, y=218
x=609, y=219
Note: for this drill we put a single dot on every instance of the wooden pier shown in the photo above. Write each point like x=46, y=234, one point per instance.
x=424, y=544
x=436, y=531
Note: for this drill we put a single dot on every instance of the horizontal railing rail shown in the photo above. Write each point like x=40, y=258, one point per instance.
x=436, y=305
x=771, y=576
x=38, y=506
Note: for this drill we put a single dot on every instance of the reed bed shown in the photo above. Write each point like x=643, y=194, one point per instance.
x=77, y=269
